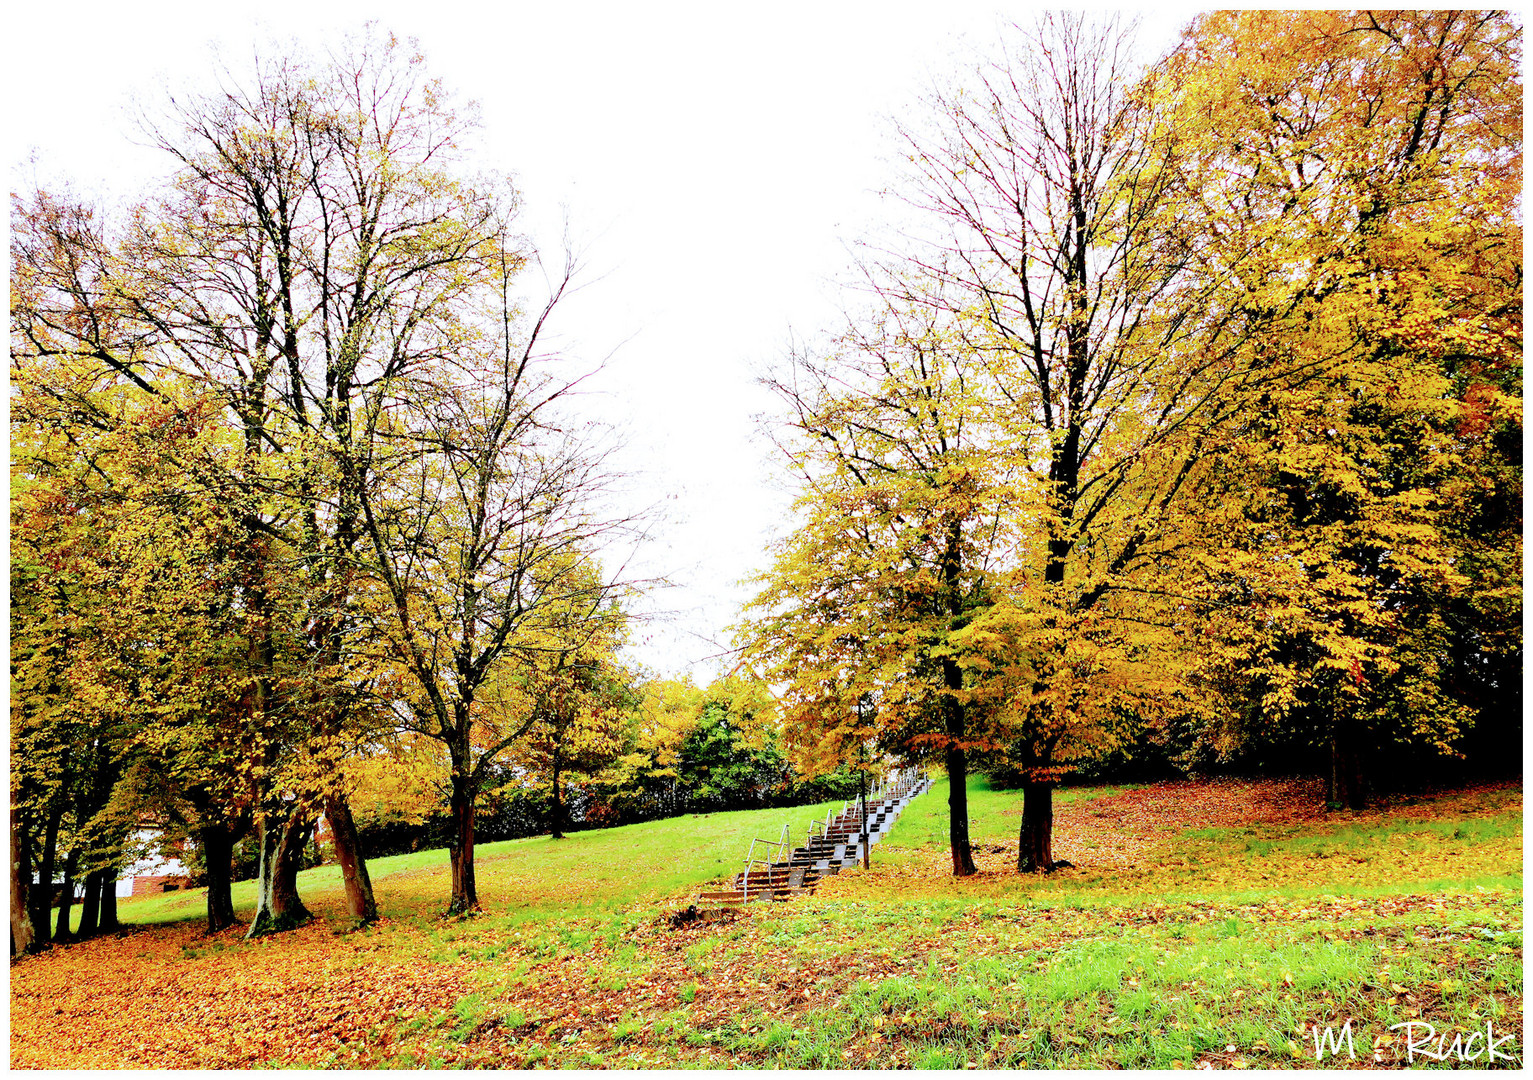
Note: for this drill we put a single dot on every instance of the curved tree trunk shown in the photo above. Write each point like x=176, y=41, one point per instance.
x=460, y=848
x=283, y=832
x=1035, y=842
x=287, y=906
x=360, y=904
x=218, y=854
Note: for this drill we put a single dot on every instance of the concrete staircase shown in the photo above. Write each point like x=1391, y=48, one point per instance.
x=783, y=873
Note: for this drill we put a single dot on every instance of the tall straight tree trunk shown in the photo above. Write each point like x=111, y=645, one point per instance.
x=1035, y=843
x=360, y=904
x=556, y=811
x=61, y=932
x=862, y=795
x=109, y=923
x=953, y=712
x=460, y=846
x=218, y=853
x=957, y=776
x=958, y=812
x=23, y=938
x=1347, y=785
x=272, y=818
x=90, y=907
x=41, y=898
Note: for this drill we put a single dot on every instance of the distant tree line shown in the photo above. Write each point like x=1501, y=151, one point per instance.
x=682, y=750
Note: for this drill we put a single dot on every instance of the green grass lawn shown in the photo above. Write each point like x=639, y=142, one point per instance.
x=1215, y=944
x=602, y=870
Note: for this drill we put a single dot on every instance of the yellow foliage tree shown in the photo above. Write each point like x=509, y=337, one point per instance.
x=1357, y=177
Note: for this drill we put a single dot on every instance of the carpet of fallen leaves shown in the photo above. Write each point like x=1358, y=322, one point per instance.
x=714, y=992
x=1141, y=828
x=175, y=998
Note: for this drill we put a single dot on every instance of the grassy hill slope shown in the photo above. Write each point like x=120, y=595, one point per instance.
x=1212, y=923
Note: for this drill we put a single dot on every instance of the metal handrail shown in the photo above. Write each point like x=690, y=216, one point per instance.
x=780, y=844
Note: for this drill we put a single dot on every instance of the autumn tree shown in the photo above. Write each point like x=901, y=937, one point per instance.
x=731, y=756
x=1372, y=201
x=481, y=529
x=129, y=691
x=695, y=748
x=905, y=537
x=1087, y=373
x=320, y=256
x=574, y=697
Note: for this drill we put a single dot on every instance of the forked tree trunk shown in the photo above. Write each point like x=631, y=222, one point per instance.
x=460, y=848
x=218, y=853
x=1035, y=842
x=287, y=906
x=360, y=904
x=282, y=833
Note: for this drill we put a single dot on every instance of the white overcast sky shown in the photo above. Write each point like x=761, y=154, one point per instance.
x=714, y=161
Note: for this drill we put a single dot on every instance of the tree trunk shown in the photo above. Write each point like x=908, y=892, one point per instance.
x=556, y=811
x=90, y=908
x=218, y=853
x=1347, y=784
x=1035, y=842
x=958, y=812
x=953, y=712
x=957, y=776
x=41, y=899
x=360, y=904
x=282, y=832
x=61, y=931
x=1332, y=785
x=109, y=923
x=465, y=897
x=22, y=937
x=287, y=906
